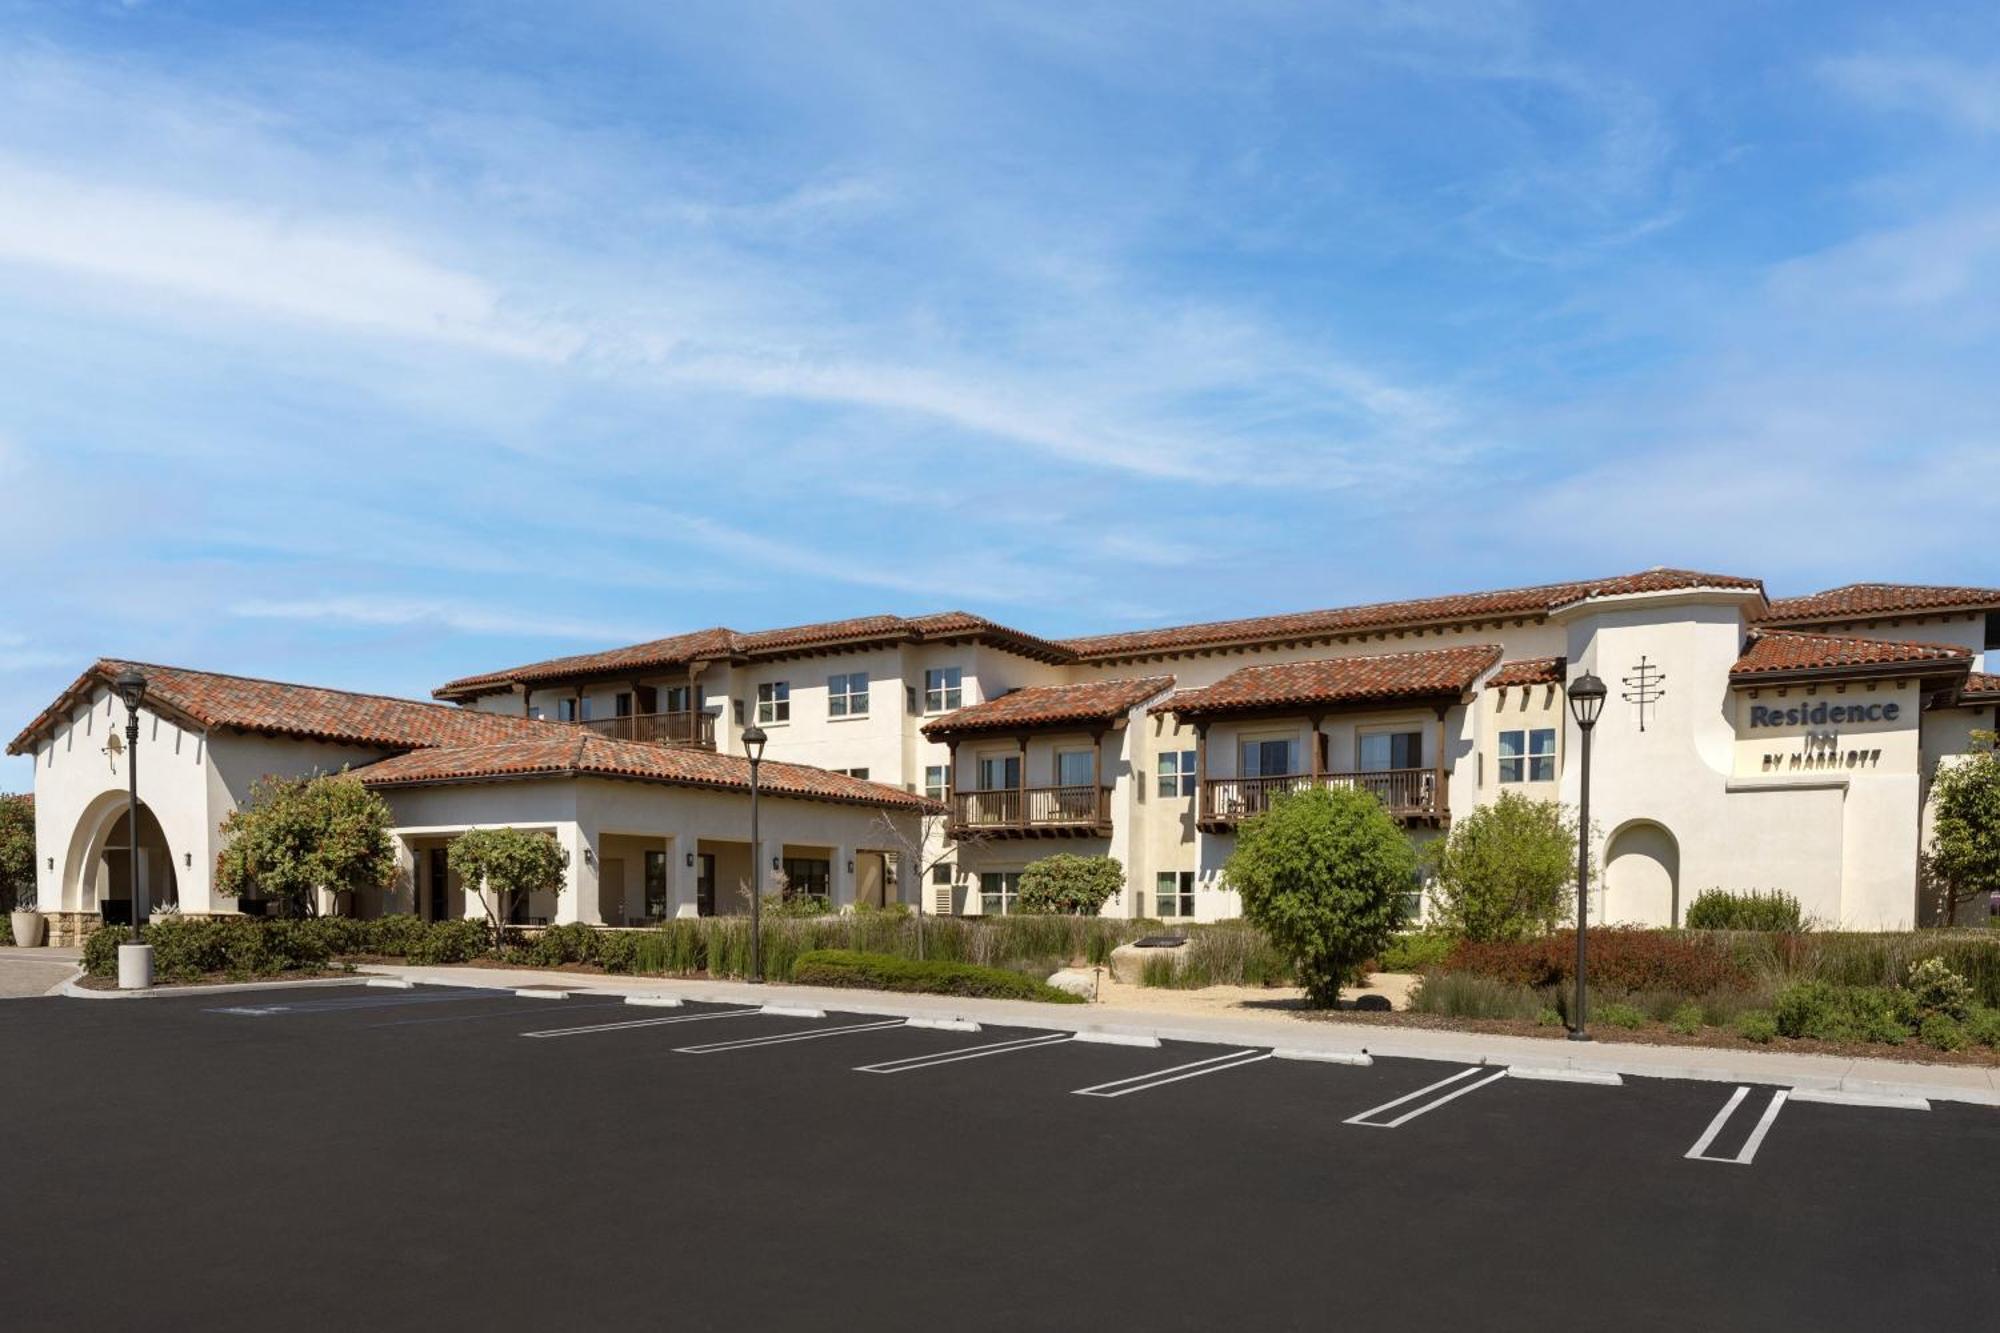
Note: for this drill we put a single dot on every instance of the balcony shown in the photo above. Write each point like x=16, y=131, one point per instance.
x=695, y=731
x=1032, y=812
x=1414, y=795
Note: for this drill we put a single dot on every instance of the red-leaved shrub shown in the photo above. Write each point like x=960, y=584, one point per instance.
x=1632, y=960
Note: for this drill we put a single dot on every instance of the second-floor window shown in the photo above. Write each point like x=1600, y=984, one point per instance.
x=1528, y=756
x=774, y=702
x=1385, y=750
x=847, y=696
x=861, y=773
x=935, y=781
x=1073, y=768
x=574, y=710
x=943, y=689
x=1000, y=772
x=1177, y=773
x=1269, y=759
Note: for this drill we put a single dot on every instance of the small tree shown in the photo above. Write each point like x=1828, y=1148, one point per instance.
x=1069, y=885
x=1963, y=860
x=17, y=852
x=1507, y=871
x=1321, y=874
x=298, y=836
x=500, y=862
x=921, y=846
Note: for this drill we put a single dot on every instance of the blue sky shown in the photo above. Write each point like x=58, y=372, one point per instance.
x=370, y=345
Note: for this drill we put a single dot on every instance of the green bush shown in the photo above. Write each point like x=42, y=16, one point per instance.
x=618, y=950
x=1620, y=959
x=1942, y=1032
x=1416, y=951
x=1224, y=954
x=395, y=936
x=1322, y=873
x=1826, y=1012
x=1936, y=989
x=1460, y=995
x=1506, y=871
x=1070, y=884
x=1756, y=1025
x=1548, y=1016
x=1686, y=1020
x=846, y=967
x=1983, y=1026
x=458, y=941
x=1718, y=909
x=100, y=951
x=1621, y=1015
x=562, y=946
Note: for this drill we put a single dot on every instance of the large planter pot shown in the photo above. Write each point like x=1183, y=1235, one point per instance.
x=27, y=928
x=135, y=966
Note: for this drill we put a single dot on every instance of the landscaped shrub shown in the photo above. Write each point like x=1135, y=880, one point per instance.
x=1719, y=909
x=1756, y=1025
x=458, y=941
x=1631, y=960
x=100, y=951
x=1070, y=884
x=395, y=936
x=1983, y=1026
x=1228, y=954
x=617, y=950
x=1935, y=989
x=845, y=967
x=1464, y=995
x=1506, y=871
x=1826, y=1012
x=1416, y=951
x=1942, y=1032
x=1686, y=1020
x=561, y=946
x=1621, y=1015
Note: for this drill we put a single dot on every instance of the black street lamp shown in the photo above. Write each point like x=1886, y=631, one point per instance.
x=130, y=685
x=1586, y=701
x=753, y=745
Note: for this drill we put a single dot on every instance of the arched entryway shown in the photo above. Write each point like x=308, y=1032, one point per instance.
x=1642, y=875
x=103, y=868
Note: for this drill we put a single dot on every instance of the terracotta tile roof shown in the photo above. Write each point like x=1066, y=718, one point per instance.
x=209, y=699
x=1528, y=671
x=1051, y=705
x=1439, y=673
x=1981, y=686
x=1784, y=653
x=1867, y=601
x=570, y=753
x=721, y=643
x=1384, y=616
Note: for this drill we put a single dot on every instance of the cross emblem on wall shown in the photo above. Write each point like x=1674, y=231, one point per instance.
x=1645, y=687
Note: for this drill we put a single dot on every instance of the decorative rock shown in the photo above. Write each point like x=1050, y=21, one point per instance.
x=1076, y=981
x=1374, y=1004
x=1128, y=961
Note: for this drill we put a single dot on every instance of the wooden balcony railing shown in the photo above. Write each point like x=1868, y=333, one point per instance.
x=1407, y=793
x=692, y=730
x=1035, y=810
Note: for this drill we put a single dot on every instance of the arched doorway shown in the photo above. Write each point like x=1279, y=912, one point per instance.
x=1642, y=876
x=104, y=865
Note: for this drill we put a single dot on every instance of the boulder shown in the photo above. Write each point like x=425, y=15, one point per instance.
x=1075, y=980
x=1128, y=961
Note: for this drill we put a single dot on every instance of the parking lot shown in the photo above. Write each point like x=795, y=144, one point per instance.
x=356, y=1157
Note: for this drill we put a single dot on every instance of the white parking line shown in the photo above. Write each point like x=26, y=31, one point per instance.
x=1699, y=1153
x=1425, y=1107
x=1214, y=1064
x=638, y=1023
x=746, y=1043
x=910, y=1062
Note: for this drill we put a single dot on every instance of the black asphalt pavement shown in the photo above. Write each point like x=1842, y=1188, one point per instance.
x=378, y=1159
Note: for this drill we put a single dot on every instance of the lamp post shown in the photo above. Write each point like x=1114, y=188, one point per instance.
x=135, y=960
x=1586, y=701
x=753, y=746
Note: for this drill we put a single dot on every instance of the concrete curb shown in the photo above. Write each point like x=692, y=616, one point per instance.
x=1595, y=1062
x=74, y=991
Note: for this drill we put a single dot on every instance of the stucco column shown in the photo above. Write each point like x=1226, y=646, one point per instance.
x=841, y=881
x=578, y=900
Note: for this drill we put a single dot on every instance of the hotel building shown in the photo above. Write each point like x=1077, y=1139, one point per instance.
x=1748, y=743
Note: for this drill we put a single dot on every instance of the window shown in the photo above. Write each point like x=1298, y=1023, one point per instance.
x=1177, y=773
x=1410, y=904
x=573, y=710
x=680, y=699
x=1173, y=893
x=1385, y=750
x=774, y=702
x=941, y=873
x=998, y=890
x=847, y=696
x=622, y=705
x=1269, y=759
x=943, y=689
x=656, y=886
x=1528, y=756
x=1000, y=772
x=1073, y=768
x=808, y=876
x=861, y=773
x=1993, y=629
x=936, y=779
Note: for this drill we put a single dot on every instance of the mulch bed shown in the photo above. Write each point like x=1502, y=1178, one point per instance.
x=220, y=979
x=1655, y=1035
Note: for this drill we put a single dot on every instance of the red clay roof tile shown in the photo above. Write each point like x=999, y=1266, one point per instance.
x=1051, y=705
x=1528, y=671
x=1438, y=673
x=1870, y=601
x=1772, y=653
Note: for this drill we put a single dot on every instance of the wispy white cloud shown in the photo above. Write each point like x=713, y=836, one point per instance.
x=1965, y=93
x=463, y=617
